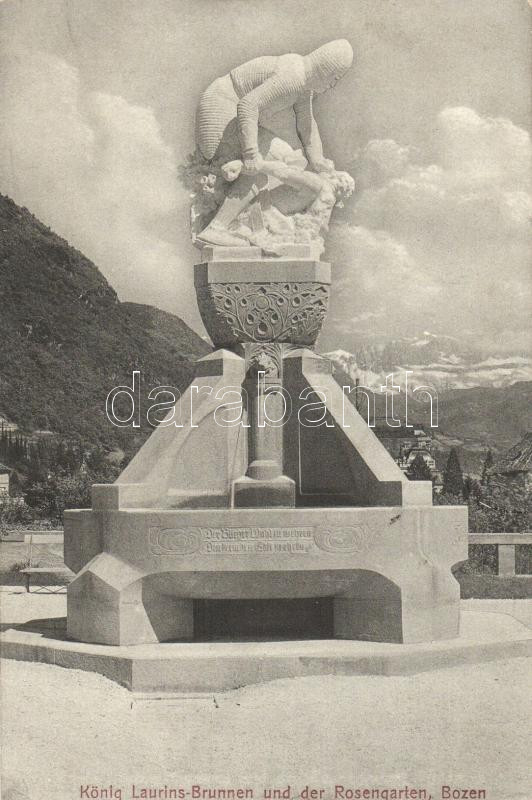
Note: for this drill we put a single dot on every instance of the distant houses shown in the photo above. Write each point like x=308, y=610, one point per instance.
x=409, y=445
x=412, y=450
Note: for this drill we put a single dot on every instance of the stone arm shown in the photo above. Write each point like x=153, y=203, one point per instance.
x=307, y=130
x=280, y=85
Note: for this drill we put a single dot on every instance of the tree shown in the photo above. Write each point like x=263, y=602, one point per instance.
x=472, y=488
x=53, y=495
x=453, y=479
x=501, y=507
x=36, y=468
x=419, y=470
x=488, y=464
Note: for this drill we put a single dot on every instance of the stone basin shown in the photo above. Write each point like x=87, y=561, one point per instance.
x=263, y=301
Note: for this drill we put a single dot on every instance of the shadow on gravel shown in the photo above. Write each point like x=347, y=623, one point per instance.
x=52, y=627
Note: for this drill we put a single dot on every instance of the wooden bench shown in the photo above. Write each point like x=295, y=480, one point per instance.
x=33, y=540
x=29, y=571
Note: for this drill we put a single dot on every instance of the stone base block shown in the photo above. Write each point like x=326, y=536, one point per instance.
x=252, y=493
x=109, y=603
x=194, y=667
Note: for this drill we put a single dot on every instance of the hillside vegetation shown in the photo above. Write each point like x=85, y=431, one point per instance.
x=66, y=340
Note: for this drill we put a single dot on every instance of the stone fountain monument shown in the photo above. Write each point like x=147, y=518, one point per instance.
x=264, y=483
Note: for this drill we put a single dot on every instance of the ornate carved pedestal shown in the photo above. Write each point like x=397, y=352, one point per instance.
x=260, y=309
x=251, y=512
x=270, y=301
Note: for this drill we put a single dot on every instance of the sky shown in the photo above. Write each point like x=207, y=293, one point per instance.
x=97, y=113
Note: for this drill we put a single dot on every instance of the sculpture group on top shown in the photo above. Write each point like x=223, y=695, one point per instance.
x=259, y=176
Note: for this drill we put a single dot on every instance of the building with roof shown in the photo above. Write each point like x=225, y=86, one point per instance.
x=6, y=425
x=405, y=444
x=515, y=466
x=5, y=474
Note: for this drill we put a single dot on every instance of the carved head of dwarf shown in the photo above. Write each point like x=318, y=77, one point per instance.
x=326, y=65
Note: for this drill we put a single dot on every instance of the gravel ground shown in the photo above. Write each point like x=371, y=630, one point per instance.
x=66, y=731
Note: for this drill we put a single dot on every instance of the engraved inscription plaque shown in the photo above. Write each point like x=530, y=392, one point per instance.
x=230, y=541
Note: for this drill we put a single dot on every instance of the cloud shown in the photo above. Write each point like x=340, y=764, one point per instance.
x=365, y=262
x=483, y=149
x=442, y=245
x=95, y=168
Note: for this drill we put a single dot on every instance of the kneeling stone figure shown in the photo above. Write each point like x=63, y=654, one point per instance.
x=244, y=116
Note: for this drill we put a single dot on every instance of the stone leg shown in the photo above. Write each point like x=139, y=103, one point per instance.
x=341, y=461
x=107, y=604
x=423, y=608
x=367, y=620
x=193, y=465
x=431, y=606
x=372, y=612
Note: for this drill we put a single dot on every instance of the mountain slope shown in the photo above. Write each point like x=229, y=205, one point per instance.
x=442, y=362
x=471, y=420
x=66, y=340
x=497, y=417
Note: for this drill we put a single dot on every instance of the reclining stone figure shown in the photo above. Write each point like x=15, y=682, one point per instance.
x=299, y=209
